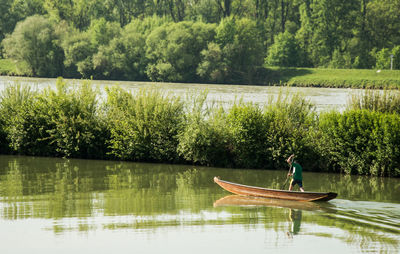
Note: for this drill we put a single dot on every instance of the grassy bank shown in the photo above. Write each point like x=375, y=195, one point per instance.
x=153, y=127
x=336, y=78
x=9, y=68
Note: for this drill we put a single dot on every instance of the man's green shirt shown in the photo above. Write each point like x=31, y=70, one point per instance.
x=297, y=171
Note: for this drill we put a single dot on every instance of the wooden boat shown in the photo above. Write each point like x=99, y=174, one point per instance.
x=272, y=193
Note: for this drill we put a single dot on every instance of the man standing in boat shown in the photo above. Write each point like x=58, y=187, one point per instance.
x=297, y=173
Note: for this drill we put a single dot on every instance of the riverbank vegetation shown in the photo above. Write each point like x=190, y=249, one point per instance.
x=334, y=78
x=210, y=41
x=77, y=121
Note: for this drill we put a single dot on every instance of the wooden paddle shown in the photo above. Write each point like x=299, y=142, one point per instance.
x=287, y=176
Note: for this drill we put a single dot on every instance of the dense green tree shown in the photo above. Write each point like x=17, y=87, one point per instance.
x=329, y=33
x=123, y=11
x=238, y=46
x=123, y=58
x=383, y=23
x=340, y=60
x=79, y=51
x=174, y=50
x=205, y=10
x=360, y=44
x=12, y=11
x=35, y=43
x=333, y=21
x=78, y=13
x=80, y=48
x=213, y=67
x=102, y=32
x=305, y=31
x=5, y=18
x=284, y=51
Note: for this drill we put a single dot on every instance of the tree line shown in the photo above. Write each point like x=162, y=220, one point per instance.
x=196, y=40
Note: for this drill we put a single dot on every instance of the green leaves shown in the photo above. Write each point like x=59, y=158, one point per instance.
x=360, y=142
x=144, y=127
x=234, y=56
x=69, y=121
x=173, y=50
x=54, y=123
x=284, y=52
x=34, y=42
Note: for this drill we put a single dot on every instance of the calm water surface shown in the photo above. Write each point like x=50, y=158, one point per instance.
x=52, y=205
x=322, y=98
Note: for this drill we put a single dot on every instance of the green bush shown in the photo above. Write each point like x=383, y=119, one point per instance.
x=383, y=59
x=248, y=131
x=20, y=125
x=360, y=142
x=144, y=126
x=147, y=125
x=63, y=122
x=205, y=140
x=248, y=136
x=77, y=127
x=291, y=120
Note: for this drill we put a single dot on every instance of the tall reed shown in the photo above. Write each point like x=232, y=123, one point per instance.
x=386, y=101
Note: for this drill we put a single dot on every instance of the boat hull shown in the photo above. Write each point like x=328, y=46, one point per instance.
x=246, y=190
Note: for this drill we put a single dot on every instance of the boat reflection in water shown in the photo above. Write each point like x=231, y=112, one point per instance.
x=295, y=208
x=237, y=200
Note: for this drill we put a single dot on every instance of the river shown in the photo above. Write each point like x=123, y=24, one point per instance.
x=53, y=205
x=322, y=98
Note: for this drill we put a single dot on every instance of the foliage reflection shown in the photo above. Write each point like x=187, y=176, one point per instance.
x=149, y=196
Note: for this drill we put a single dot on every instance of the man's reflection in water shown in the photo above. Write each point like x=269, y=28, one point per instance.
x=295, y=222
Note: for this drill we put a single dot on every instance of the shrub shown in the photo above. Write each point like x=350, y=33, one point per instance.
x=143, y=126
x=53, y=123
x=383, y=59
x=290, y=129
x=248, y=131
x=17, y=106
x=205, y=140
x=360, y=142
x=77, y=127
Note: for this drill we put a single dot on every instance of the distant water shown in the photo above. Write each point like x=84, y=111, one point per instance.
x=322, y=98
